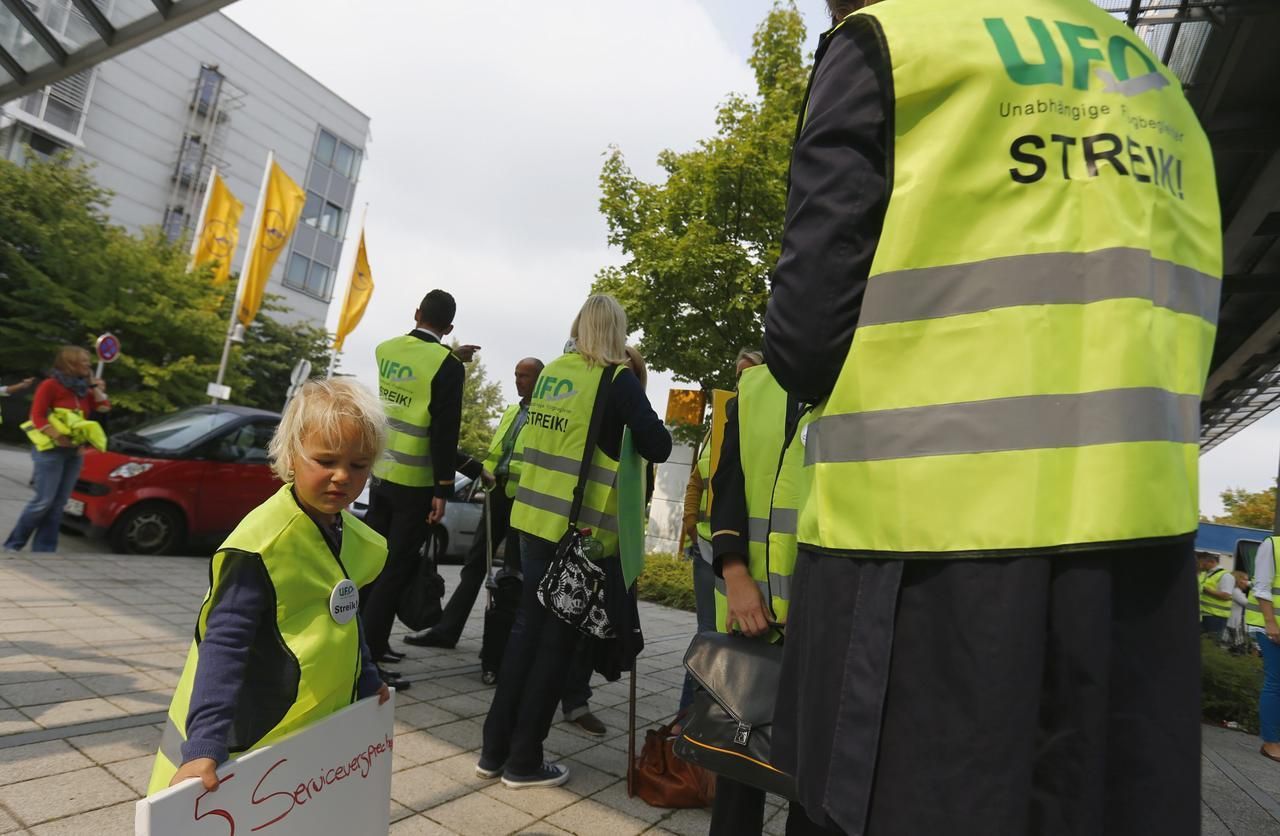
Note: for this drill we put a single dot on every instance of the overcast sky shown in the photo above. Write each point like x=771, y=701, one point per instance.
x=489, y=122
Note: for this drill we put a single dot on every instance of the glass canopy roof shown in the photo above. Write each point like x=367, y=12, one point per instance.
x=43, y=41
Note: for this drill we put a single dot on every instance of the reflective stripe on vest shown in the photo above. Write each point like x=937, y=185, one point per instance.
x=1033, y=340
x=1208, y=604
x=554, y=438
x=302, y=573
x=406, y=367
x=771, y=484
x=704, y=502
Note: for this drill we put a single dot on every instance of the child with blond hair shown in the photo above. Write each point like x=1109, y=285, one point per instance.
x=278, y=640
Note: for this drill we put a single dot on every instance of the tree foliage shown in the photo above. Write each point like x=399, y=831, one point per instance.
x=481, y=406
x=260, y=369
x=67, y=274
x=1254, y=509
x=700, y=246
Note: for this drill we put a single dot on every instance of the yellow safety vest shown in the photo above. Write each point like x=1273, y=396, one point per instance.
x=406, y=367
x=772, y=483
x=516, y=462
x=1208, y=604
x=555, y=438
x=1253, y=610
x=704, y=471
x=310, y=658
x=71, y=423
x=1040, y=314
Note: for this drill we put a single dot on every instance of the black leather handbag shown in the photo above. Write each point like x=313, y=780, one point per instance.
x=421, y=601
x=730, y=726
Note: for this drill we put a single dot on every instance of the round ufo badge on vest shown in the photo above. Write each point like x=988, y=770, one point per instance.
x=344, y=601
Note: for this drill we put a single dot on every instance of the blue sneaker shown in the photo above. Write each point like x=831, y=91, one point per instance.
x=485, y=769
x=550, y=775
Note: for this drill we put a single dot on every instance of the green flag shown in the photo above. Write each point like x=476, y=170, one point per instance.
x=631, y=479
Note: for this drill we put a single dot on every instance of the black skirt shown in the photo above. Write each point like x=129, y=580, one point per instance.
x=995, y=697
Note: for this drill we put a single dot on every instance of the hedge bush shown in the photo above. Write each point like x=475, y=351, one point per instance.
x=668, y=580
x=1230, y=685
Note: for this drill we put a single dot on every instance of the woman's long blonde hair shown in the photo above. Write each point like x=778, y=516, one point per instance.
x=600, y=331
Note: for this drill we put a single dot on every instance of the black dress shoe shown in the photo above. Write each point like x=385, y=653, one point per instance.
x=428, y=638
x=390, y=658
x=394, y=680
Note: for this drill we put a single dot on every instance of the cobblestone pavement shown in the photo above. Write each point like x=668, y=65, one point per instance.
x=91, y=645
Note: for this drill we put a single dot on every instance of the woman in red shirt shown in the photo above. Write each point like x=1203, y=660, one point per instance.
x=56, y=469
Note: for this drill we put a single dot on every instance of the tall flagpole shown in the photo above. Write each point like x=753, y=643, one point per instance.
x=333, y=350
x=258, y=212
x=204, y=210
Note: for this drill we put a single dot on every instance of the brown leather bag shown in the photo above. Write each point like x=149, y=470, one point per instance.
x=659, y=777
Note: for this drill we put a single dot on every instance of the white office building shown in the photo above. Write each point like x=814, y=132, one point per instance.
x=156, y=119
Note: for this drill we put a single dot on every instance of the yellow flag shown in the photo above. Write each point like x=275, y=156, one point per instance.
x=280, y=211
x=221, y=231
x=358, y=293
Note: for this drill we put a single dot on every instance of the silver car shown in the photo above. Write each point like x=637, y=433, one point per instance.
x=461, y=518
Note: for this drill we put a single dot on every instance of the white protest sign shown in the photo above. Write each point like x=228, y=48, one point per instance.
x=331, y=777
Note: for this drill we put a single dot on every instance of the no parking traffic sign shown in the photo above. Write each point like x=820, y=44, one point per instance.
x=108, y=348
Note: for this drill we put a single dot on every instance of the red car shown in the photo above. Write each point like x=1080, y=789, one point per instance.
x=183, y=480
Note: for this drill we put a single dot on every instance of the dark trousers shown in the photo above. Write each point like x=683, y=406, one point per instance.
x=54, y=473
x=543, y=658
x=1213, y=625
x=704, y=605
x=1036, y=696
x=738, y=810
x=398, y=513
x=474, y=569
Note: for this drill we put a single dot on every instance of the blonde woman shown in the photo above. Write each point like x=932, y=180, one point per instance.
x=539, y=653
x=56, y=458
x=278, y=642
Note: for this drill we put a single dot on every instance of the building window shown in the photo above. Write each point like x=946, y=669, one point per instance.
x=311, y=209
x=189, y=160
x=296, y=273
x=325, y=147
x=345, y=160
x=331, y=219
x=208, y=85
x=62, y=105
x=44, y=146
x=174, y=220
x=317, y=280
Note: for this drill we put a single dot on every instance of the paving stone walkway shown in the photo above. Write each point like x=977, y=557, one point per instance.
x=91, y=645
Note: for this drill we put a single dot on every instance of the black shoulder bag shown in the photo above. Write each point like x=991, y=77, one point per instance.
x=573, y=587
x=730, y=726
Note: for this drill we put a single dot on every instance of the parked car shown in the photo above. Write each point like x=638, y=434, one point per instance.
x=461, y=518
x=175, y=482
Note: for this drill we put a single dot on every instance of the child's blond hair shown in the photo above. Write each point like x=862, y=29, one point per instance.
x=327, y=407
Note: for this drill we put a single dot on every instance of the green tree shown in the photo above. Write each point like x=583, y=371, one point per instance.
x=701, y=244
x=67, y=275
x=260, y=369
x=481, y=406
x=1255, y=509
